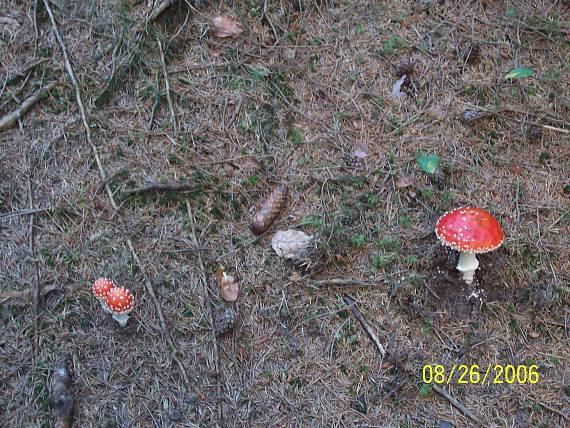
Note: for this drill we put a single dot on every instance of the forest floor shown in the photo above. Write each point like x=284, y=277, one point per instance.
x=302, y=96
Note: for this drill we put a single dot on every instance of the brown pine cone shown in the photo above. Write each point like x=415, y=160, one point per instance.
x=225, y=322
x=269, y=210
x=356, y=160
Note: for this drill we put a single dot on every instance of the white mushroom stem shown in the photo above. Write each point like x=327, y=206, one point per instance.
x=467, y=264
x=121, y=319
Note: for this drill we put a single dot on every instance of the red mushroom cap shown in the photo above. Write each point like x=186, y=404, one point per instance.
x=120, y=300
x=102, y=286
x=470, y=229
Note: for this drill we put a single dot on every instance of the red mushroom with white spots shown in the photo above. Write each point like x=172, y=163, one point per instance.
x=470, y=231
x=101, y=288
x=120, y=302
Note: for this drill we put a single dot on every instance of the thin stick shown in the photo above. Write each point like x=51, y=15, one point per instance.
x=204, y=278
x=553, y=410
x=162, y=321
x=12, y=118
x=102, y=174
x=457, y=404
x=167, y=85
x=340, y=282
x=23, y=212
x=366, y=327
x=514, y=119
x=161, y=187
x=36, y=280
x=79, y=101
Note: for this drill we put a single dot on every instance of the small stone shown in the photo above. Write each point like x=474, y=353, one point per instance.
x=533, y=335
x=225, y=322
x=444, y=424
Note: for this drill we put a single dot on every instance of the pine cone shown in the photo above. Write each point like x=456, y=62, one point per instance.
x=269, y=210
x=225, y=322
x=356, y=160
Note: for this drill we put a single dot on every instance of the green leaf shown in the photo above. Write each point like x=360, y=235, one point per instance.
x=428, y=163
x=519, y=73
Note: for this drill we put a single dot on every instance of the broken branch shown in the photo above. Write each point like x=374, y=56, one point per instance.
x=12, y=118
x=161, y=187
x=365, y=326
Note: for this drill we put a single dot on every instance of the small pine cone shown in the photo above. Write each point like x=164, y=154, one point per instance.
x=269, y=210
x=438, y=178
x=225, y=322
x=356, y=160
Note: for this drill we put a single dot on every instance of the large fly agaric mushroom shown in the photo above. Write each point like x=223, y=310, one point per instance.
x=101, y=288
x=120, y=302
x=470, y=231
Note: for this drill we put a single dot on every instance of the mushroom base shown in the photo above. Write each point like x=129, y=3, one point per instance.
x=121, y=318
x=467, y=264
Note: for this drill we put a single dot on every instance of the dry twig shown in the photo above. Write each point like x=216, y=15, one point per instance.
x=161, y=187
x=36, y=280
x=12, y=118
x=365, y=326
x=457, y=405
x=340, y=282
x=514, y=119
x=167, y=86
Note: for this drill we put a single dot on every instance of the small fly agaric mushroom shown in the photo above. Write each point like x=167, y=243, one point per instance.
x=120, y=302
x=101, y=288
x=470, y=231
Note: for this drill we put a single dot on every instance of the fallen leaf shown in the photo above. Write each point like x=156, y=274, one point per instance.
x=519, y=73
x=428, y=163
x=289, y=243
x=516, y=170
x=229, y=288
x=226, y=26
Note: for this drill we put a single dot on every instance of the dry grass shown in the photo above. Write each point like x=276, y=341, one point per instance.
x=252, y=113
